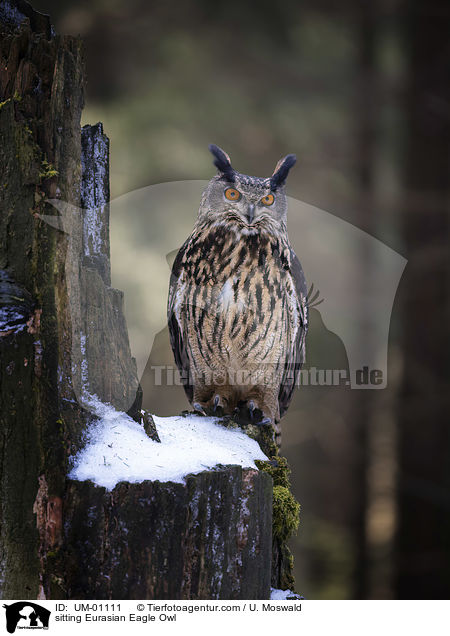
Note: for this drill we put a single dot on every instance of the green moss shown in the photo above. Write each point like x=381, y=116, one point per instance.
x=286, y=512
x=285, y=520
x=47, y=170
x=15, y=98
x=278, y=469
x=287, y=581
x=264, y=435
x=286, y=508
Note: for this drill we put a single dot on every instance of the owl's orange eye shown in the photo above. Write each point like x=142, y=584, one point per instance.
x=268, y=199
x=232, y=194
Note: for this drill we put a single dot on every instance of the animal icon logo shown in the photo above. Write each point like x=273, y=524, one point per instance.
x=26, y=615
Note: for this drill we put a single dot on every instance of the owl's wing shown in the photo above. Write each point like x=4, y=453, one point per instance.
x=176, y=328
x=297, y=355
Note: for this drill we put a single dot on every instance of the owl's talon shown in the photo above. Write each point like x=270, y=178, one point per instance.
x=199, y=408
x=265, y=421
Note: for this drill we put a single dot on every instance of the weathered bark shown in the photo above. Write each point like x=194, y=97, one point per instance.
x=205, y=539
x=62, y=334
x=41, y=99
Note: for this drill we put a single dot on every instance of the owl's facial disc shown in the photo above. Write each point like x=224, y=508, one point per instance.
x=249, y=206
x=246, y=204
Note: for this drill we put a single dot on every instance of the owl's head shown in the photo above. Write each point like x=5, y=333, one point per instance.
x=251, y=203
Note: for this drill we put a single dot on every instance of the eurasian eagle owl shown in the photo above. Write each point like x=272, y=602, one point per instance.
x=237, y=307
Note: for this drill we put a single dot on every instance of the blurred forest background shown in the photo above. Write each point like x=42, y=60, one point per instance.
x=360, y=91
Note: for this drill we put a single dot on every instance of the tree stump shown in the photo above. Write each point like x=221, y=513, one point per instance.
x=209, y=538
x=62, y=333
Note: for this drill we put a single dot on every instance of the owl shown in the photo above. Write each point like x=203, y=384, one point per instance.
x=237, y=307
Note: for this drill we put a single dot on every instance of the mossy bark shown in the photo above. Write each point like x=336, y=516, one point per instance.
x=41, y=100
x=286, y=511
x=54, y=292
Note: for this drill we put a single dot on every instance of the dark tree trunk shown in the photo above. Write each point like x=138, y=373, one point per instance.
x=362, y=400
x=63, y=333
x=42, y=97
x=423, y=552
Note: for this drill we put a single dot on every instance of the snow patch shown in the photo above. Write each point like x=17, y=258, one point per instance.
x=11, y=319
x=119, y=450
x=283, y=595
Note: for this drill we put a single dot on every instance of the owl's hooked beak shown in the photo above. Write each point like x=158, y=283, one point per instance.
x=250, y=212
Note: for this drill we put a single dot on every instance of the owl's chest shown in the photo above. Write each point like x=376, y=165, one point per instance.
x=250, y=278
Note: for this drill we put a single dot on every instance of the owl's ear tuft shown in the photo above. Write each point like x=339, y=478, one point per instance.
x=281, y=171
x=222, y=162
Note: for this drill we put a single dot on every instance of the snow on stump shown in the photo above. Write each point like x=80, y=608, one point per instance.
x=184, y=536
